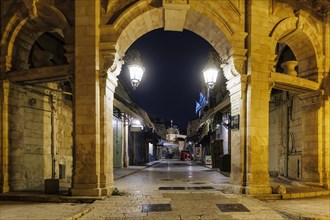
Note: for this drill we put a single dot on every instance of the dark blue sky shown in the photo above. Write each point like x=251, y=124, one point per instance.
x=171, y=84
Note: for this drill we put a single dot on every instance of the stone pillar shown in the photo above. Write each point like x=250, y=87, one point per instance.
x=237, y=87
x=86, y=176
x=326, y=106
x=125, y=144
x=326, y=140
x=107, y=90
x=312, y=133
x=4, y=149
x=258, y=95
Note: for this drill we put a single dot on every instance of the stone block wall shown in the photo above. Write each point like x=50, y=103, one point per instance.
x=35, y=126
x=285, y=135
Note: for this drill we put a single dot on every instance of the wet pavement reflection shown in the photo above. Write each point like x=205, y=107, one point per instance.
x=172, y=174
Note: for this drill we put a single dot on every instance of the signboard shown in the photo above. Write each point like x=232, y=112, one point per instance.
x=234, y=122
x=135, y=129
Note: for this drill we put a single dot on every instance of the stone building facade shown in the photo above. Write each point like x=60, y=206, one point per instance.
x=93, y=36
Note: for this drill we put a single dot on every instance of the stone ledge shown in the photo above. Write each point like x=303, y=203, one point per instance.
x=305, y=194
x=48, y=198
x=291, y=83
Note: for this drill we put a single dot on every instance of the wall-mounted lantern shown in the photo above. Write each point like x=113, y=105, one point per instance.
x=135, y=67
x=212, y=68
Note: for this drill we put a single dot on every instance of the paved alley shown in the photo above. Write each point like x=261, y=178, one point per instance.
x=168, y=189
x=176, y=189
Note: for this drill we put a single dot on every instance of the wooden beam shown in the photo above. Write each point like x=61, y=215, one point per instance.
x=42, y=74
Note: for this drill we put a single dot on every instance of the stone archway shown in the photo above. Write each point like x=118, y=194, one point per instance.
x=26, y=22
x=226, y=37
x=301, y=35
x=301, y=38
x=24, y=29
x=93, y=167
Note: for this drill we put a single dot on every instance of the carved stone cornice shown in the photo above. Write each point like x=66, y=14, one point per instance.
x=311, y=99
x=111, y=65
x=236, y=64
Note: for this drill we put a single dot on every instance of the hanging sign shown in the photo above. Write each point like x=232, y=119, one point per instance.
x=234, y=122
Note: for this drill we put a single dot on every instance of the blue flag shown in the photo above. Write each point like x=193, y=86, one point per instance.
x=201, y=98
x=200, y=104
x=198, y=107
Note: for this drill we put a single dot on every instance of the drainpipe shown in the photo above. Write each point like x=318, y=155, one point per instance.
x=287, y=140
x=246, y=45
x=52, y=123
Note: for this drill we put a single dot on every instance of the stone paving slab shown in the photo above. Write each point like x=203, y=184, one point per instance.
x=30, y=210
x=309, y=208
x=185, y=205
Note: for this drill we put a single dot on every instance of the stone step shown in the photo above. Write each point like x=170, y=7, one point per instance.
x=268, y=196
x=299, y=195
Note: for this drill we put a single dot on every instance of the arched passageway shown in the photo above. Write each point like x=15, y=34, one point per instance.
x=246, y=36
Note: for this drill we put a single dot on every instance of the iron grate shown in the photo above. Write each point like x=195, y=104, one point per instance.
x=156, y=207
x=236, y=207
x=186, y=188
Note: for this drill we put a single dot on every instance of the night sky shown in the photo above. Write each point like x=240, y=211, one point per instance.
x=171, y=84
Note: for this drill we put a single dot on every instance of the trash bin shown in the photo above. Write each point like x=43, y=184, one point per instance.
x=52, y=186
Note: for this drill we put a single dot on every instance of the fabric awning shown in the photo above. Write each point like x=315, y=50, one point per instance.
x=210, y=113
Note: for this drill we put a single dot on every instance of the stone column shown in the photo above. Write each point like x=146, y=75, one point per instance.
x=237, y=88
x=4, y=150
x=86, y=176
x=326, y=106
x=258, y=95
x=125, y=144
x=326, y=139
x=111, y=67
x=107, y=90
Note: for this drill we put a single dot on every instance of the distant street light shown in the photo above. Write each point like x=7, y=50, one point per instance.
x=212, y=69
x=135, y=67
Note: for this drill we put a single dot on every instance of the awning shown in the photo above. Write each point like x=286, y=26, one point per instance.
x=166, y=144
x=210, y=113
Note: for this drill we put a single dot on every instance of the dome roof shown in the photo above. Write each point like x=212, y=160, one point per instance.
x=172, y=130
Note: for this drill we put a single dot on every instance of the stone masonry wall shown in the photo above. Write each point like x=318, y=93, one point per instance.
x=31, y=138
x=285, y=110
